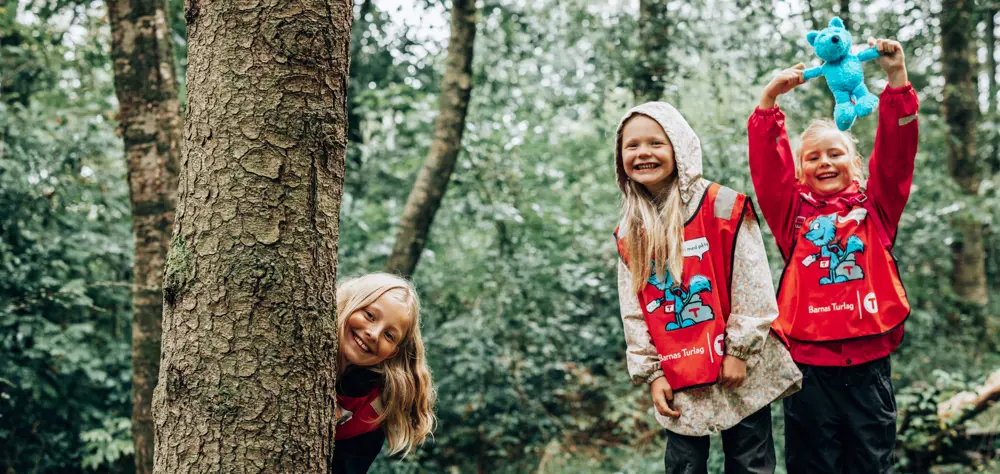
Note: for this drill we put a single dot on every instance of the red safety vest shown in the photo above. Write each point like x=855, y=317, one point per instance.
x=841, y=281
x=357, y=415
x=687, y=320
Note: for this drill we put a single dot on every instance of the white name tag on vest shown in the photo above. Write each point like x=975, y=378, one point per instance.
x=696, y=247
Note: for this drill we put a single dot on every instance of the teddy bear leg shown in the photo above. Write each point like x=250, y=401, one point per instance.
x=866, y=102
x=844, y=113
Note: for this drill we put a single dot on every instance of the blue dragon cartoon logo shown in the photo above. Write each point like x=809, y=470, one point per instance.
x=685, y=303
x=838, y=258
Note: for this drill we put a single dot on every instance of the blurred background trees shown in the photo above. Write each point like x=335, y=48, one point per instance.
x=517, y=271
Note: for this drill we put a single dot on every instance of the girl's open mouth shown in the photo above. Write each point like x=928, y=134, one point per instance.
x=826, y=176
x=360, y=343
x=646, y=166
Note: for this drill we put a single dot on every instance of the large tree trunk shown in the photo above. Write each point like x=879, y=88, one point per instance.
x=249, y=346
x=651, y=70
x=961, y=112
x=432, y=182
x=150, y=117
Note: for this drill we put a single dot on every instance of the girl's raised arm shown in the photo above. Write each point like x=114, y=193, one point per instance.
x=772, y=168
x=772, y=165
x=890, y=167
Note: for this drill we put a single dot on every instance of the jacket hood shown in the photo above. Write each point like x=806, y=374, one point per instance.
x=687, y=147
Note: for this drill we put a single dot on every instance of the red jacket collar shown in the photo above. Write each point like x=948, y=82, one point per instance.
x=841, y=198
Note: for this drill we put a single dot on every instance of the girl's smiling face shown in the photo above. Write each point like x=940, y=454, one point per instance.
x=826, y=165
x=373, y=333
x=647, y=155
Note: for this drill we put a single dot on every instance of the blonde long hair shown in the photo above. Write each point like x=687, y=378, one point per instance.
x=654, y=227
x=407, y=389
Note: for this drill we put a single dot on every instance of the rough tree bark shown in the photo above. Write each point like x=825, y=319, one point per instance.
x=961, y=112
x=150, y=121
x=249, y=348
x=432, y=182
x=655, y=29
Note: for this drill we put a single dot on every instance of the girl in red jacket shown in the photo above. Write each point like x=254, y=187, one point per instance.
x=841, y=301
x=384, y=389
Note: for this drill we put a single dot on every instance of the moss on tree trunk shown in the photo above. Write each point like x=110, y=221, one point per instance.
x=249, y=349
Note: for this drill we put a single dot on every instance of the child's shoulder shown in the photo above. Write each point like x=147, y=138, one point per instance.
x=708, y=184
x=725, y=199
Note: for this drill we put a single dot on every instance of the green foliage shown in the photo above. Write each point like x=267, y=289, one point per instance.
x=108, y=444
x=517, y=278
x=518, y=283
x=65, y=256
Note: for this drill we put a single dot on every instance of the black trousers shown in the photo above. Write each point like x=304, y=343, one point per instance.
x=843, y=421
x=749, y=448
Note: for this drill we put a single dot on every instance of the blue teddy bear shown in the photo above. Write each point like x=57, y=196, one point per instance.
x=843, y=72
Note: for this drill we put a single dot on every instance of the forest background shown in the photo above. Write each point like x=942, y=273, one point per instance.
x=517, y=273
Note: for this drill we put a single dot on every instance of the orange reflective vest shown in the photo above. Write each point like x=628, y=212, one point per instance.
x=687, y=319
x=357, y=415
x=841, y=280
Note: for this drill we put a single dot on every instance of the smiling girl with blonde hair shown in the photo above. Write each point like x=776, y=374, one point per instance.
x=384, y=388
x=696, y=298
x=842, y=302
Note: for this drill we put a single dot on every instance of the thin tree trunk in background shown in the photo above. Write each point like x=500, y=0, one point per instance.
x=991, y=72
x=816, y=23
x=961, y=113
x=361, y=23
x=845, y=14
x=651, y=70
x=991, y=61
x=150, y=121
x=432, y=182
x=249, y=342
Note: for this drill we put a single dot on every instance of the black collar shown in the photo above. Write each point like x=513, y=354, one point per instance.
x=357, y=381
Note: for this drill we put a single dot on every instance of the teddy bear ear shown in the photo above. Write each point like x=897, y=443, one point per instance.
x=811, y=37
x=837, y=22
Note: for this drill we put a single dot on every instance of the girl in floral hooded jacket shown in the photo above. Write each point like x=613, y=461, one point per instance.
x=696, y=298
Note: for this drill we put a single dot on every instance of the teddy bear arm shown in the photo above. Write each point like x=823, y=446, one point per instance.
x=868, y=54
x=812, y=73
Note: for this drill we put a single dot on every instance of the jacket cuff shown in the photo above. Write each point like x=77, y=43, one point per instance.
x=898, y=102
x=898, y=90
x=767, y=112
x=766, y=123
x=655, y=375
x=743, y=354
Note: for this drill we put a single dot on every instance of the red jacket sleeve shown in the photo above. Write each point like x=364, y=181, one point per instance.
x=890, y=167
x=772, y=168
